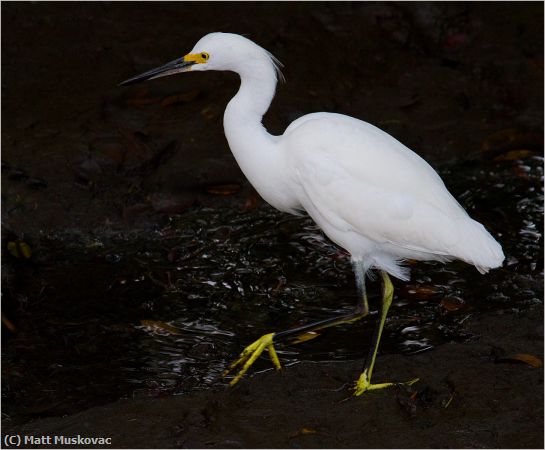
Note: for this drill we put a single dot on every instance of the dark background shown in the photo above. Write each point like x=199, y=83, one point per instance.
x=78, y=151
x=459, y=83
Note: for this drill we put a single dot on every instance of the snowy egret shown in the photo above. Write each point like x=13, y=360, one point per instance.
x=368, y=192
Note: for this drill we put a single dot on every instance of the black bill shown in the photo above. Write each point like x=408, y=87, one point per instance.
x=178, y=65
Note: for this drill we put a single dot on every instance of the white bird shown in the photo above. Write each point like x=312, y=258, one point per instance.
x=369, y=193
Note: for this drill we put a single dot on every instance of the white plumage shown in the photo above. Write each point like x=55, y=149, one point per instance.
x=378, y=199
x=368, y=192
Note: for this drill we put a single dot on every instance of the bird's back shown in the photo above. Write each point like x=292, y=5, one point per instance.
x=377, y=198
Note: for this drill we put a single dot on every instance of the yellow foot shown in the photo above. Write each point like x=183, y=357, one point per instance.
x=251, y=353
x=363, y=384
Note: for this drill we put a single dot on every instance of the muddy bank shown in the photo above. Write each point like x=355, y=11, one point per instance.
x=468, y=397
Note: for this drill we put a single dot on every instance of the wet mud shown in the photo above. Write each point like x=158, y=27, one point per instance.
x=137, y=261
x=464, y=401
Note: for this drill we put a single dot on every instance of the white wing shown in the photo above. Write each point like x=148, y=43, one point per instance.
x=355, y=178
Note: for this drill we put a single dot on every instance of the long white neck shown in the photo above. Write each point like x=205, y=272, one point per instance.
x=257, y=152
x=257, y=89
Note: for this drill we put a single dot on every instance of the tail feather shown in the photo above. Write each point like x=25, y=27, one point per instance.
x=480, y=248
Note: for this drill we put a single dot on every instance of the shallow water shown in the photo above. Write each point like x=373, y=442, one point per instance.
x=110, y=316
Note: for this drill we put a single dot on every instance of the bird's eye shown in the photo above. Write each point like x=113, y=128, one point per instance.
x=205, y=56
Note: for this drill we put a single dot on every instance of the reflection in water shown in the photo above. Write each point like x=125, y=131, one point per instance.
x=165, y=312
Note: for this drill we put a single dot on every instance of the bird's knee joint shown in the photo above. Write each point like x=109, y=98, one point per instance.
x=388, y=288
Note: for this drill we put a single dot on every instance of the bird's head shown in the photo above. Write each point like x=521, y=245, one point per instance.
x=217, y=51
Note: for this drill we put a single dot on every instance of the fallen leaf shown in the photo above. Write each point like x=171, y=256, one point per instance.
x=19, y=249
x=159, y=327
x=8, y=324
x=252, y=202
x=303, y=432
x=305, y=337
x=531, y=360
x=452, y=303
x=521, y=172
x=512, y=139
x=421, y=292
x=513, y=155
x=339, y=255
x=223, y=189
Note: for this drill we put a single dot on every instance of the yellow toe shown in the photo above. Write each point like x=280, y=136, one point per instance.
x=250, y=354
x=364, y=384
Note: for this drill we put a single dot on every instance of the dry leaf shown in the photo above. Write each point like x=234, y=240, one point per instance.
x=160, y=327
x=452, y=304
x=223, y=189
x=305, y=337
x=531, y=360
x=521, y=172
x=19, y=249
x=421, y=292
x=252, y=202
x=8, y=324
x=339, y=255
x=513, y=155
x=306, y=430
x=303, y=432
x=512, y=139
